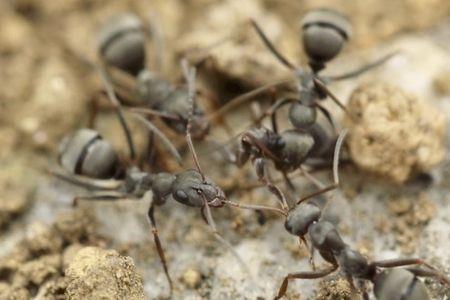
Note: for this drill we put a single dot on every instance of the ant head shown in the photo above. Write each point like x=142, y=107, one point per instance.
x=324, y=33
x=121, y=43
x=301, y=217
x=86, y=153
x=192, y=189
x=394, y=283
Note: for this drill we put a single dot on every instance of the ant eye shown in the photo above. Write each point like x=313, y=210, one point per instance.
x=199, y=191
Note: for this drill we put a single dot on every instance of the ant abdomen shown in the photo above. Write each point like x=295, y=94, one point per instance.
x=87, y=153
x=399, y=284
x=324, y=33
x=121, y=43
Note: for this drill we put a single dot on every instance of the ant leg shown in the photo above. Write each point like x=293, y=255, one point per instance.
x=323, y=89
x=335, y=184
x=303, y=275
x=161, y=135
x=88, y=183
x=153, y=113
x=400, y=262
x=101, y=196
x=159, y=248
x=311, y=251
x=261, y=172
x=328, y=116
x=363, y=69
x=206, y=213
x=115, y=102
x=255, y=207
x=288, y=182
x=281, y=58
x=241, y=99
x=272, y=111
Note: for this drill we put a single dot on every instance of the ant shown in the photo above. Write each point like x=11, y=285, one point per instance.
x=121, y=47
x=288, y=150
x=305, y=219
x=86, y=157
x=325, y=31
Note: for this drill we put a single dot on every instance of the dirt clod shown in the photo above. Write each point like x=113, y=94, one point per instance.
x=392, y=133
x=335, y=289
x=192, y=278
x=103, y=274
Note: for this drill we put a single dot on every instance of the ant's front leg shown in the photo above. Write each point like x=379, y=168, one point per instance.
x=159, y=248
x=303, y=275
x=261, y=171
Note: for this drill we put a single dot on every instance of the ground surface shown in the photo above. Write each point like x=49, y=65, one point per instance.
x=44, y=94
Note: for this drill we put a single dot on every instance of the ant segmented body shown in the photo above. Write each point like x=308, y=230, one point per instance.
x=122, y=46
x=85, y=150
x=325, y=32
x=304, y=219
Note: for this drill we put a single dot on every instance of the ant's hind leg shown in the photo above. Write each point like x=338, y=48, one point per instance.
x=400, y=262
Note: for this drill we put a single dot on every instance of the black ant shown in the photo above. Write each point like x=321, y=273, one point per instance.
x=85, y=157
x=122, y=49
x=305, y=219
x=325, y=32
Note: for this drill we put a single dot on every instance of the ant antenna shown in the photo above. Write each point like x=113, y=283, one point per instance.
x=189, y=74
x=337, y=151
x=283, y=60
x=116, y=104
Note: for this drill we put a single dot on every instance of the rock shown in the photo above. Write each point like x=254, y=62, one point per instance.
x=392, y=133
x=103, y=274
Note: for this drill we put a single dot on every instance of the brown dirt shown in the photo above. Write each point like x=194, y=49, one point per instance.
x=392, y=133
x=95, y=273
x=335, y=289
x=411, y=214
x=35, y=265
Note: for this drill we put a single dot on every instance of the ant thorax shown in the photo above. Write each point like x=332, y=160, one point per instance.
x=151, y=89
